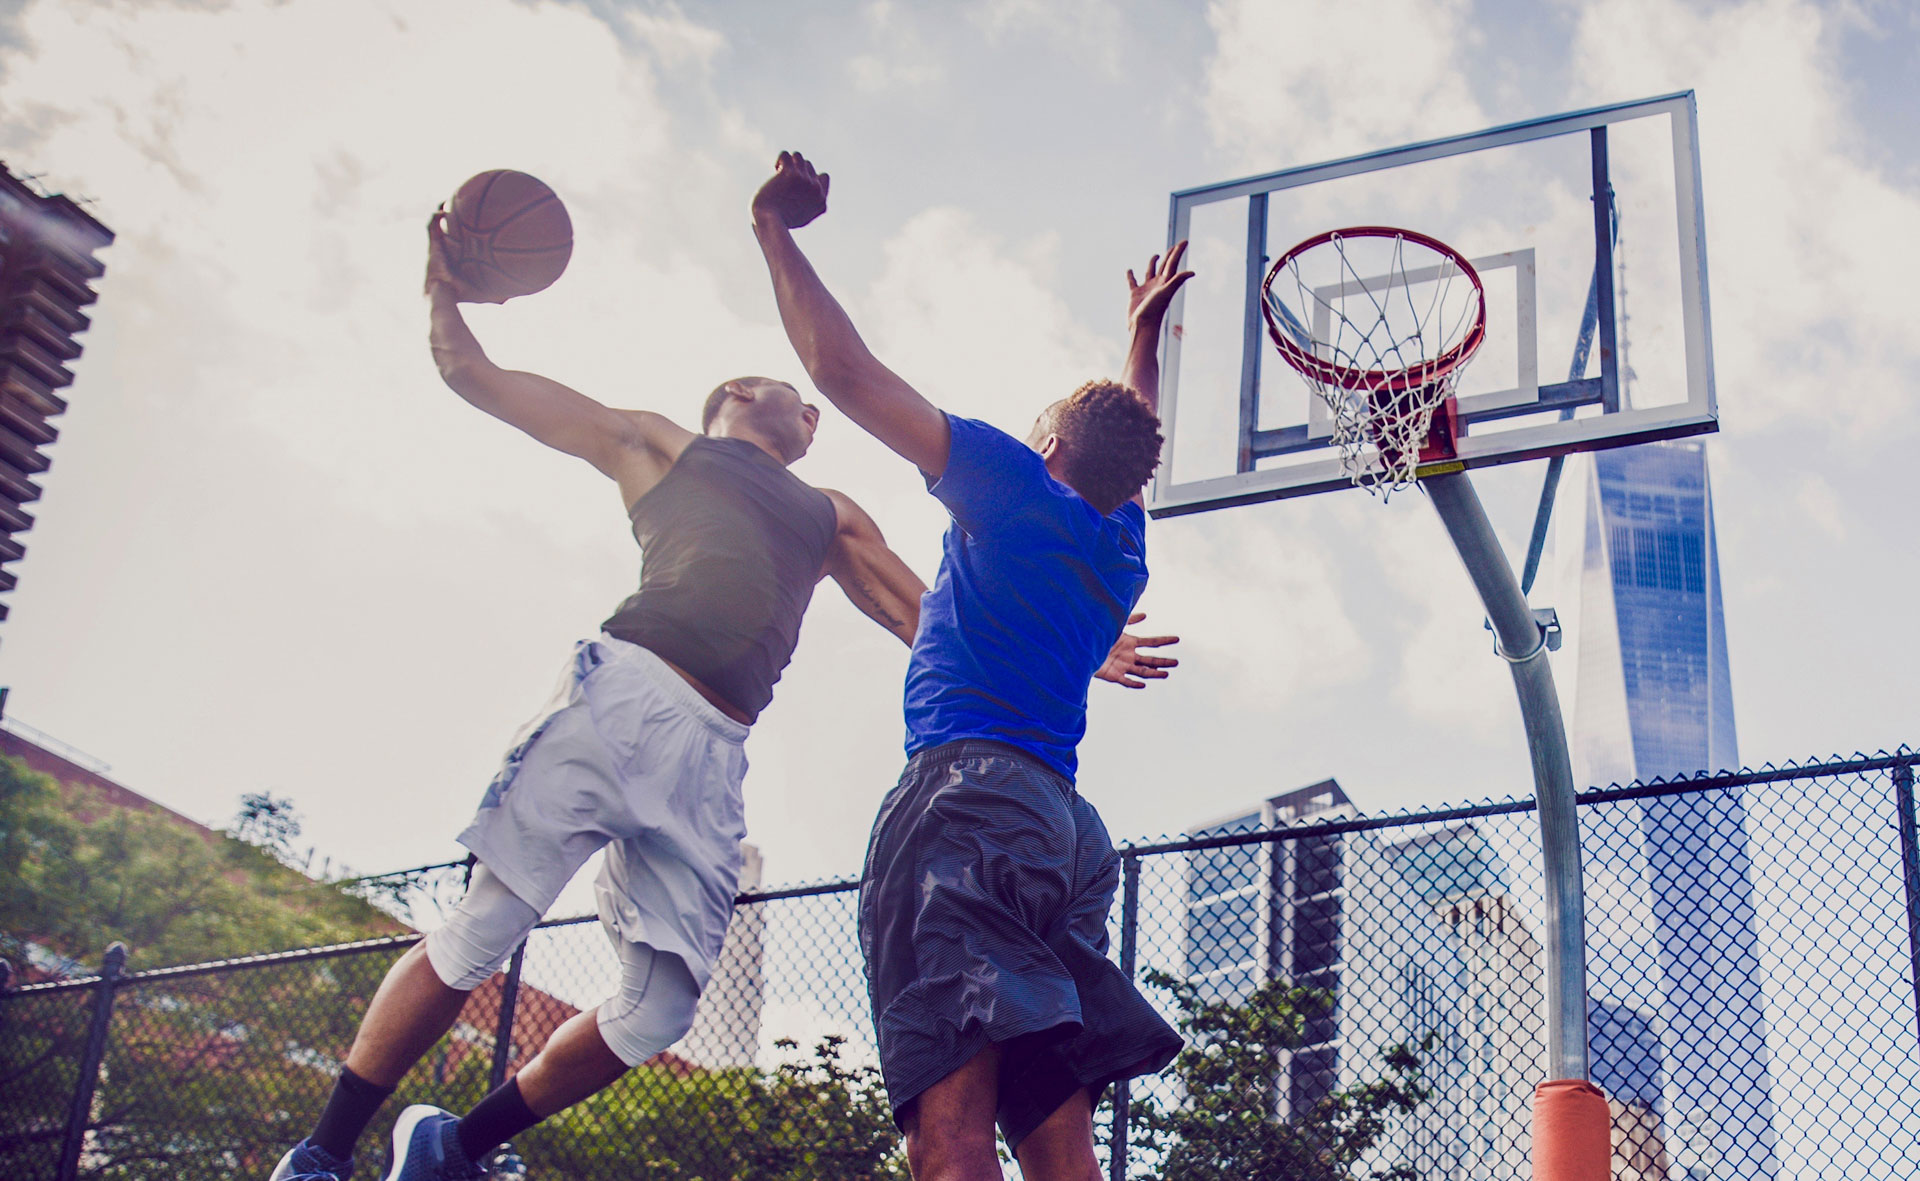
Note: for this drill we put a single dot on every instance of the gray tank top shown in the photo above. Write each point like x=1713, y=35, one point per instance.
x=732, y=544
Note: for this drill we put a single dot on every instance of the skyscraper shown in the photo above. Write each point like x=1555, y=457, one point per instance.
x=1639, y=596
x=1416, y=943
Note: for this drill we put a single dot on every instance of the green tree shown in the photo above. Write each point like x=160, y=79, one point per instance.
x=1227, y=1128
x=214, y=1074
x=802, y=1121
x=268, y=822
x=173, y=895
x=238, y=1057
x=823, y=1118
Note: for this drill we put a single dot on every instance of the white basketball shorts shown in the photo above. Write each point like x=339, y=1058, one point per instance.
x=628, y=757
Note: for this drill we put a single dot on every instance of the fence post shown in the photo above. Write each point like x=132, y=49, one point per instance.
x=503, y=1032
x=1910, y=864
x=81, y=1112
x=1129, y=953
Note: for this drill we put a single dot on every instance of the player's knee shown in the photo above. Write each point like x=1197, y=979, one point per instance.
x=480, y=933
x=654, y=1007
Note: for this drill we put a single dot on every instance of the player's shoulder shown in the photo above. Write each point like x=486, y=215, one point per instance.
x=849, y=517
x=987, y=452
x=979, y=432
x=646, y=430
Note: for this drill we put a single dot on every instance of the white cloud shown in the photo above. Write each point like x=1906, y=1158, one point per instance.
x=675, y=39
x=899, y=58
x=978, y=324
x=1448, y=672
x=276, y=205
x=1303, y=81
x=1822, y=505
x=1812, y=249
x=1293, y=633
x=1090, y=30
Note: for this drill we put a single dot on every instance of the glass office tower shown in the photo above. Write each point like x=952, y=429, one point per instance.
x=1639, y=594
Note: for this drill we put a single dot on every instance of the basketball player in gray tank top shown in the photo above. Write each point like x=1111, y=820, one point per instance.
x=652, y=714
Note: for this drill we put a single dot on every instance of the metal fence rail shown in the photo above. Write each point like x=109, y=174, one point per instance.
x=1361, y=996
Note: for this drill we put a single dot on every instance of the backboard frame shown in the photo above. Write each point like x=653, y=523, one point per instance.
x=1697, y=414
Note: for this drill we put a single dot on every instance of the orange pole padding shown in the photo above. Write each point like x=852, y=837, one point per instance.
x=1572, y=1132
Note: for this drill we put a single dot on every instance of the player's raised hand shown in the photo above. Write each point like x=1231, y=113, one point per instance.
x=1147, y=298
x=1126, y=665
x=795, y=193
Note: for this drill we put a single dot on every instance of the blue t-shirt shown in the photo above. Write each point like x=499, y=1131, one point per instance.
x=1034, y=588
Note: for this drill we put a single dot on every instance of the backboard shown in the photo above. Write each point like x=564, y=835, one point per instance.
x=1581, y=226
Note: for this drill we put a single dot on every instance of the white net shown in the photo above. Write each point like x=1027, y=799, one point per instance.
x=1380, y=323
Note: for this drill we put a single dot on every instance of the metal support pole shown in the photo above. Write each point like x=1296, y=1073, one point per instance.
x=1542, y=517
x=1252, y=329
x=1582, y=348
x=1603, y=230
x=80, y=1114
x=1521, y=641
x=1910, y=865
x=1129, y=944
x=503, y=1031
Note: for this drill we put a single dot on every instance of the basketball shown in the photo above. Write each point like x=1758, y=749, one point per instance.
x=507, y=235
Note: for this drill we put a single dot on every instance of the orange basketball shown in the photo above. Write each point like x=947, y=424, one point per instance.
x=507, y=234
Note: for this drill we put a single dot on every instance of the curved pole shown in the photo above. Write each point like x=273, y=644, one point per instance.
x=1522, y=643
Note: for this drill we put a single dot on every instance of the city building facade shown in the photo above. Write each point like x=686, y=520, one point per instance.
x=47, y=272
x=1639, y=594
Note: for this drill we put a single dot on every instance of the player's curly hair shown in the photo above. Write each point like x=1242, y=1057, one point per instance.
x=1112, y=441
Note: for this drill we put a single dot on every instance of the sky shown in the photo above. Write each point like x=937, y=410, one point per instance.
x=275, y=553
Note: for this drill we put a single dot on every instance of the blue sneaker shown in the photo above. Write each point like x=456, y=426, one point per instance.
x=307, y=1161
x=426, y=1148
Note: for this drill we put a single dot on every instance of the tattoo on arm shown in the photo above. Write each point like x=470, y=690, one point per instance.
x=872, y=605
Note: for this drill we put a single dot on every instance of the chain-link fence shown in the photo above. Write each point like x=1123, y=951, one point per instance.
x=419, y=897
x=1361, y=997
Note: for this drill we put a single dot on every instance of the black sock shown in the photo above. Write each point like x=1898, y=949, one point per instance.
x=495, y=1120
x=349, y=1110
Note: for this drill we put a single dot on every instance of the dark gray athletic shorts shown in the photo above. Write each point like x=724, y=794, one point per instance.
x=983, y=920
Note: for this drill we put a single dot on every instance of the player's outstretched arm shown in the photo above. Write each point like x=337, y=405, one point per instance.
x=631, y=447
x=837, y=360
x=1147, y=303
x=874, y=577
x=1128, y=666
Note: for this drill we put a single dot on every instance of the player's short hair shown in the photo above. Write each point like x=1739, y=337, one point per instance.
x=1112, y=440
x=715, y=400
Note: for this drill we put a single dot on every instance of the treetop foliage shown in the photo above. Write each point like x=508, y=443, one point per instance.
x=73, y=886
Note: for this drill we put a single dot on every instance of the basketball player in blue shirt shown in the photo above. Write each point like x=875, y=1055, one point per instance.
x=641, y=753
x=983, y=908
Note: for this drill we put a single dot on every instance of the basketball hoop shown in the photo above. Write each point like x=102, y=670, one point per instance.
x=1380, y=322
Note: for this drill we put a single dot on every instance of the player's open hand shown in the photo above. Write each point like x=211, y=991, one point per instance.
x=1147, y=298
x=440, y=273
x=795, y=194
x=1127, y=665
